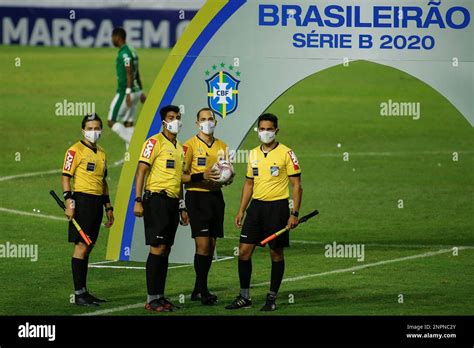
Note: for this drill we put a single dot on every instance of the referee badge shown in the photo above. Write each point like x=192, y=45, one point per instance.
x=90, y=166
x=274, y=170
x=170, y=164
x=201, y=161
x=255, y=171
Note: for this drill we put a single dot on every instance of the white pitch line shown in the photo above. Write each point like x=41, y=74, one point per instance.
x=356, y=268
x=342, y=270
x=313, y=242
x=47, y=172
x=10, y=177
x=99, y=264
x=25, y=213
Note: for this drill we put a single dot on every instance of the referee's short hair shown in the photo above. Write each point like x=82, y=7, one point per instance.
x=91, y=117
x=268, y=117
x=120, y=32
x=165, y=109
x=205, y=109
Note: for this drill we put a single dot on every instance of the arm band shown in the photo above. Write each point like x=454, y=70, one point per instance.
x=197, y=177
x=67, y=195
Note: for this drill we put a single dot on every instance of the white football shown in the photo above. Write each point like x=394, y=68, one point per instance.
x=225, y=169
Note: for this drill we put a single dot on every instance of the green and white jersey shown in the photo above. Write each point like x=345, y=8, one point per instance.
x=126, y=56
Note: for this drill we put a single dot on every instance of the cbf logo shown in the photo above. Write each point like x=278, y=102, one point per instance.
x=222, y=90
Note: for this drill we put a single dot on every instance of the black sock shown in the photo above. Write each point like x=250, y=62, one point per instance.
x=77, y=266
x=202, y=264
x=245, y=272
x=156, y=272
x=278, y=269
x=152, y=274
x=85, y=268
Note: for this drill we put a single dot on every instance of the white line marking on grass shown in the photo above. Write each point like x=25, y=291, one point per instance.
x=355, y=268
x=26, y=175
x=102, y=262
x=99, y=264
x=313, y=242
x=25, y=213
x=336, y=271
x=47, y=172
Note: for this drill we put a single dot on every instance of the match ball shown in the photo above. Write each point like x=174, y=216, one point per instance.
x=225, y=170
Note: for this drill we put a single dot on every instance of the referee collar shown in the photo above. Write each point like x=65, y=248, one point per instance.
x=174, y=144
x=92, y=148
x=266, y=153
x=209, y=146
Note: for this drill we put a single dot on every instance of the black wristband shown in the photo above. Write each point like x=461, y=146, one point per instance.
x=67, y=195
x=106, y=199
x=197, y=177
x=295, y=213
x=109, y=208
x=138, y=199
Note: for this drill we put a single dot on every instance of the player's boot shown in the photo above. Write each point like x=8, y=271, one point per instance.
x=84, y=300
x=167, y=305
x=208, y=299
x=94, y=299
x=155, y=306
x=270, y=304
x=195, y=296
x=240, y=302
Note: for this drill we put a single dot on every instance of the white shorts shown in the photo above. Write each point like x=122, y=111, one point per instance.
x=120, y=112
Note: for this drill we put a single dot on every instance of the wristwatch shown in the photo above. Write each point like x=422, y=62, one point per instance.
x=138, y=199
x=295, y=213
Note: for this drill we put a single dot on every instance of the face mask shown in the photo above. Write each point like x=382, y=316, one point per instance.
x=207, y=127
x=266, y=137
x=92, y=135
x=174, y=126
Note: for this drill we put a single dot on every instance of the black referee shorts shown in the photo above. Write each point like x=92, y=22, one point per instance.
x=88, y=214
x=161, y=218
x=263, y=219
x=206, y=213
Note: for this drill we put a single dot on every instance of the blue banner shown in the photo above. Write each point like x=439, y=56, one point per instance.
x=91, y=27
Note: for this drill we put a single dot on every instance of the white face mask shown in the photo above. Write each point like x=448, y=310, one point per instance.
x=207, y=127
x=266, y=137
x=92, y=135
x=174, y=126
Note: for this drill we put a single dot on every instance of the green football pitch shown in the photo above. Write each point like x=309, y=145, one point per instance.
x=400, y=187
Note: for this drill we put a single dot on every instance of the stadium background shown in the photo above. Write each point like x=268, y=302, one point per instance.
x=408, y=251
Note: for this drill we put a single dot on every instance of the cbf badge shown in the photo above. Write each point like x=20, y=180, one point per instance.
x=274, y=171
x=222, y=89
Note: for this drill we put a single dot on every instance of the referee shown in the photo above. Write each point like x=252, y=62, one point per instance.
x=161, y=161
x=85, y=162
x=271, y=167
x=204, y=199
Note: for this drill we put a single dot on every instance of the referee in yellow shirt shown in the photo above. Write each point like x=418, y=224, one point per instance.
x=271, y=167
x=161, y=160
x=86, y=164
x=204, y=199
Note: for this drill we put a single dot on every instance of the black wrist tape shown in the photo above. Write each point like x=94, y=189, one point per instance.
x=67, y=195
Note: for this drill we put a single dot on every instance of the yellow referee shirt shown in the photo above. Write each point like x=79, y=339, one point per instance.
x=87, y=166
x=270, y=172
x=199, y=157
x=166, y=165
